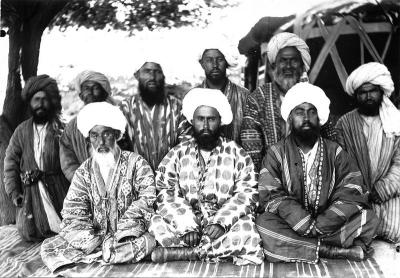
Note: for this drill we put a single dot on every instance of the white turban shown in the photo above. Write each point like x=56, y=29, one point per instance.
x=89, y=75
x=306, y=92
x=207, y=97
x=286, y=39
x=377, y=74
x=224, y=50
x=100, y=113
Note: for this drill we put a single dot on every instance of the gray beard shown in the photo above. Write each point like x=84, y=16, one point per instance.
x=285, y=83
x=106, y=161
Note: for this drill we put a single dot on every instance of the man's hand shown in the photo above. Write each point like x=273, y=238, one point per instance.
x=17, y=201
x=192, y=239
x=214, y=231
x=374, y=196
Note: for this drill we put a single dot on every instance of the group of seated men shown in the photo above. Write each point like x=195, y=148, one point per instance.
x=223, y=175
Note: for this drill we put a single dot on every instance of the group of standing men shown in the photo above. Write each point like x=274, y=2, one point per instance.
x=223, y=175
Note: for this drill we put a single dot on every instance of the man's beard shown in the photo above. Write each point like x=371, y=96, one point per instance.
x=307, y=135
x=105, y=156
x=285, y=82
x=41, y=115
x=370, y=109
x=207, y=140
x=152, y=96
x=219, y=76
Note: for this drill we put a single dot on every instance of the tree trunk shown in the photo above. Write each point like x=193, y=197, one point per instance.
x=27, y=22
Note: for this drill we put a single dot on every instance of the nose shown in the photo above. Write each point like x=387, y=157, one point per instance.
x=205, y=124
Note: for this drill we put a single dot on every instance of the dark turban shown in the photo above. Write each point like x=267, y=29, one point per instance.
x=44, y=83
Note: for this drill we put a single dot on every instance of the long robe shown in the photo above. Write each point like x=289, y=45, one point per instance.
x=19, y=159
x=385, y=178
x=153, y=132
x=291, y=227
x=113, y=222
x=236, y=96
x=193, y=194
x=263, y=124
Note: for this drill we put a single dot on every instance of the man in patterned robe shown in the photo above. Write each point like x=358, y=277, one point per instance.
x=109, y=204
x=371, y=135
x=206, y=191
x=32, y=174
x=152, y=114
x=214, y=62
x=263, y=126
x=312, y=200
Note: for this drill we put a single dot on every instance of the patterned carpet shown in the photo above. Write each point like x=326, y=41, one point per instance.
x=19, y=259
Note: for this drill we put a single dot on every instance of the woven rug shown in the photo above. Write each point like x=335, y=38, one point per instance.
x=18, y=258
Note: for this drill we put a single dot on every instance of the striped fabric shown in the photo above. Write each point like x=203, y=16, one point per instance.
x=378, y=158
x=19, y=258
x=153, y=131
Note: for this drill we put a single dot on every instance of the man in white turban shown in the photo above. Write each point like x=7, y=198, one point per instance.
x=91, y=87
x=371, y=135
x=312, y=200
x=289, y=59
x=206, y=191
x=109, y=204
x=153, y=115
x=215, y=60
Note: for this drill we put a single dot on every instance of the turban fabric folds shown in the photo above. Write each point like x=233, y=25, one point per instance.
x=285, y=39
x=306, y=92
x=89, y=75
x=38, y=83
x=378, y=74
x=207, y=97
x=100, y=113
x=224, y=51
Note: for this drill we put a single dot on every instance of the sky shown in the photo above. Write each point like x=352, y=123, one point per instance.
x=64, y=54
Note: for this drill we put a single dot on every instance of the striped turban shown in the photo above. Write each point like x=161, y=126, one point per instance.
x=89, y=75
x=286, y=39
x=38, y=83
x=377, y=74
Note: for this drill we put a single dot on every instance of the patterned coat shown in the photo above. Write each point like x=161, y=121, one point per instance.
x=91, y=213
x=152, y=136
x=19, y=159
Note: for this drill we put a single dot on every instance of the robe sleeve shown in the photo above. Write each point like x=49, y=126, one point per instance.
x=185, y=129
x=68, y=160
x=171, y=204
x=275, y=198
x=347, y=196
x=251, y=133
x=77, y=224
x=12, y=179
x=244, y=198
x=389, y=185
x=136, y=219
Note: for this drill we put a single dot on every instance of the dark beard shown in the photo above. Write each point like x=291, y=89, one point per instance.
x=207, y=141
x=308, y=135
x=152, y=97
x=369, y=109
x=40, y=118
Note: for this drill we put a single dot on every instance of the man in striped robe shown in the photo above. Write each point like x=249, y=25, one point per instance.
x=289, y=60
x=152, y=115
x=371, y=135
x=109, y=204
x=312, y=200
x=214, y=60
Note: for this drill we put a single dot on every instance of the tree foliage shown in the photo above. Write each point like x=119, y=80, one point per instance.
x=136, y=15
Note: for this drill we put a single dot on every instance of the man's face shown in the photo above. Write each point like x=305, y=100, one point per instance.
x=369, y=98
x=40, y=105
x=304, y=121
x=92, y=91
x=214, y=65
x=288, y=67
x=206, y=123
x=103, y=138
x=151, y=78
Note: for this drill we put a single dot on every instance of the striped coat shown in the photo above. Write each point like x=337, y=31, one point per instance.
x=385, y=179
